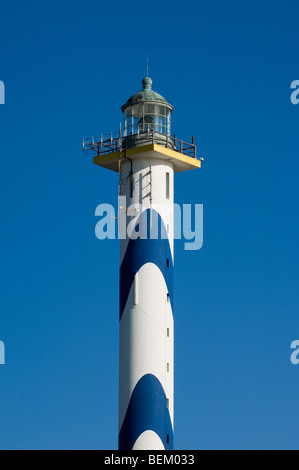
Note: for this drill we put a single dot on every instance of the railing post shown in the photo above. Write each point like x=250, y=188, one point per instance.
x=120, y=137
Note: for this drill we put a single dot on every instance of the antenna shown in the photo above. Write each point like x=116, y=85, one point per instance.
x=147, y=64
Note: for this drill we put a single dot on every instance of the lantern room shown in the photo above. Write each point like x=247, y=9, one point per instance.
x=147, y=116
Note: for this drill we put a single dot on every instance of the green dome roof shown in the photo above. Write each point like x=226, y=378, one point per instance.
x=147, y=94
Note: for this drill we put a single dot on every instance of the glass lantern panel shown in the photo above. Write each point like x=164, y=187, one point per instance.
x=149, y=109
x=146, y=117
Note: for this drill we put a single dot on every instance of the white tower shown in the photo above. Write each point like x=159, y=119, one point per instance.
x=146, y=157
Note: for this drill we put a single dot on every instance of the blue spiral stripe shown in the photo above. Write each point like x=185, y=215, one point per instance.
x=147, y=411
x=147, y=250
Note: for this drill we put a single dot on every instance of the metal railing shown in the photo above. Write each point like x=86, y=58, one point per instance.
x=115, y=142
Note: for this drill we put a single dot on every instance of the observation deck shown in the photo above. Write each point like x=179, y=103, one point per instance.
x=108, y=150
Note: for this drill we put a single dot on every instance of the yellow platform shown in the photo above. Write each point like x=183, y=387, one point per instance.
x=180, y=162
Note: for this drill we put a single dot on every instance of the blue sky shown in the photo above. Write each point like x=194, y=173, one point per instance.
x=227, y=68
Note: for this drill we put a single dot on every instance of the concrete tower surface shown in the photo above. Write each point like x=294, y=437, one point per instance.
x=146, y=157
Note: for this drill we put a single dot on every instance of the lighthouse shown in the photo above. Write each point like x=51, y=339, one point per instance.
x=146, y=155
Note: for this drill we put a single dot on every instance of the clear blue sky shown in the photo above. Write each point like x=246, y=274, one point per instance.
x=227, y=69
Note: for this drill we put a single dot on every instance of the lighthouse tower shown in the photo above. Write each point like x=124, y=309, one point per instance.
x=146, y=157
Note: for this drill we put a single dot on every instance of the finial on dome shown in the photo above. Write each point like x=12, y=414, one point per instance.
x=147, y=83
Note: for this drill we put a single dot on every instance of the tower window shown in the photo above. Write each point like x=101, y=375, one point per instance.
x=167, y=296
x=131, y=187
x=167, y=185
x=167, y=332
x=167, y=262
x=167, y=438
